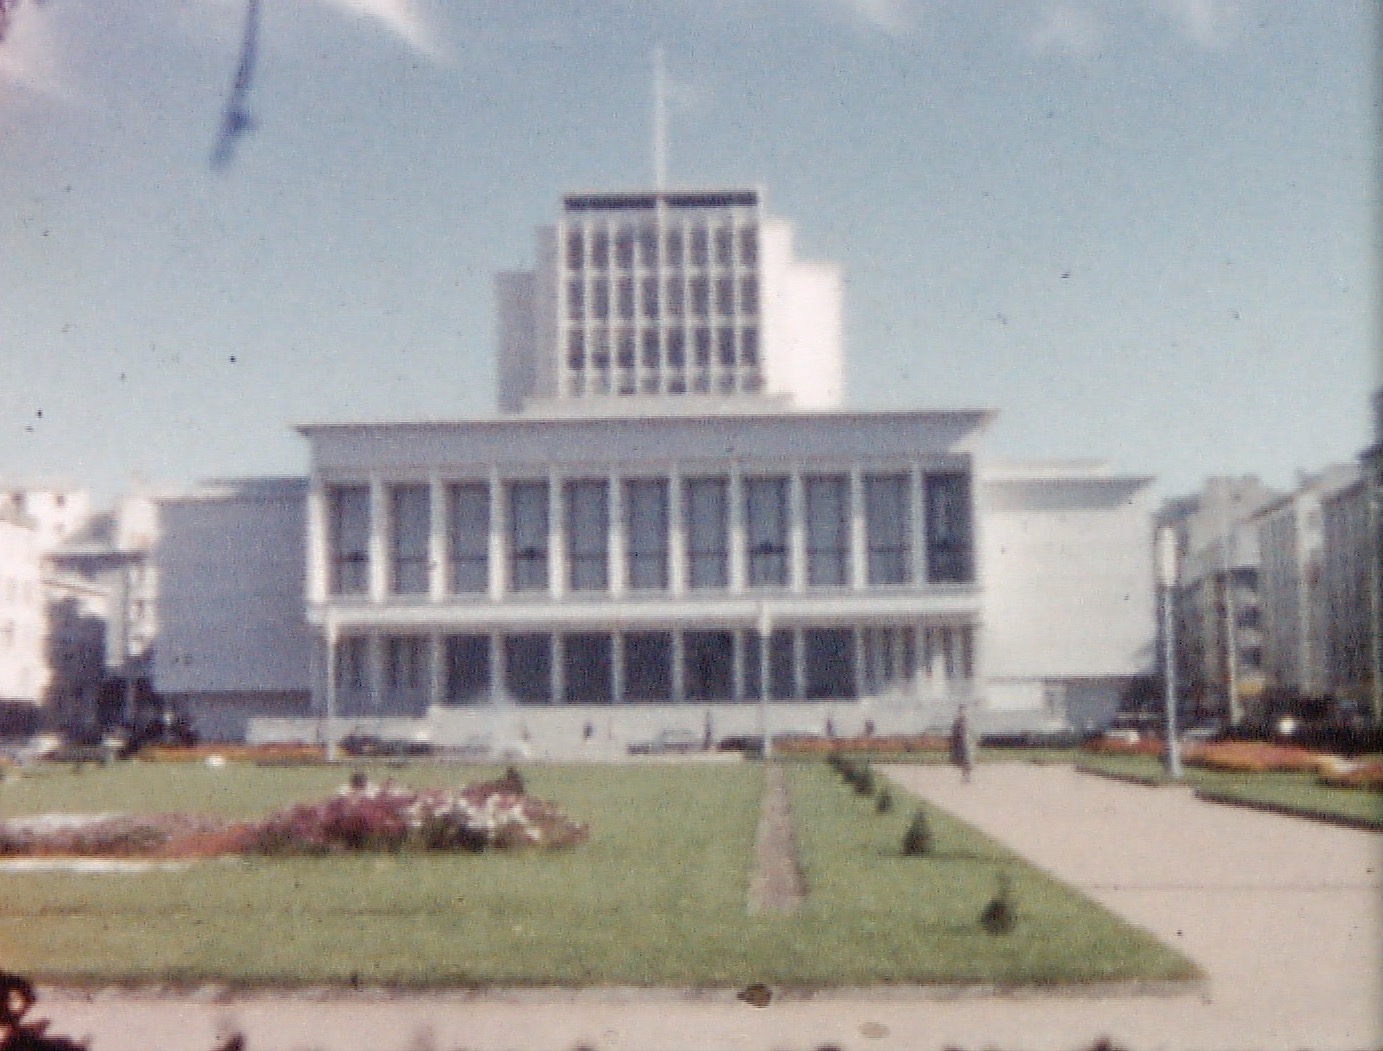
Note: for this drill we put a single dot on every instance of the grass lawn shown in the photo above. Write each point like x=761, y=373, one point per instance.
x=1297, y=792
x=655, y=898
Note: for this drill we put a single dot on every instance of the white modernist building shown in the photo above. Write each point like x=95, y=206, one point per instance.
x=671, y=517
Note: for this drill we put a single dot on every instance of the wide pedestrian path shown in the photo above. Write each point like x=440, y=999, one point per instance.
x=1283, y=915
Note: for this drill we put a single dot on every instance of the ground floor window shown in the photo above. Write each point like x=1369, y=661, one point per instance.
x=782, y=665
x=648, y=666
x=588, y=667
x=467, y=669
x=528, y=668
x=709, y=665
x=829, y=663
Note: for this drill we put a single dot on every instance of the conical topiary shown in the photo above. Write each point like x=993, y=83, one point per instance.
x=999, y=915
x=917, y=840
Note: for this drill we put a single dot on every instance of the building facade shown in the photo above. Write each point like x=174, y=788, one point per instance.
x=671, y=526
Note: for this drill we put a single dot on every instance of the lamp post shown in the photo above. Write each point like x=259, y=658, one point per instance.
x=765, y=628
x=1167, y=579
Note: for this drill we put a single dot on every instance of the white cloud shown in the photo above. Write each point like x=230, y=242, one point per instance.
x=404, y=18
x=28, y=58
x=1065, y=29
x=891, y=16
x=1205, y=22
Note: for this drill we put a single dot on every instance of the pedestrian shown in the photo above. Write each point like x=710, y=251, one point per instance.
x=962, y=744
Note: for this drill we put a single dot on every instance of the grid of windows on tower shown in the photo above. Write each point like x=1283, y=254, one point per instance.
x=668, y=306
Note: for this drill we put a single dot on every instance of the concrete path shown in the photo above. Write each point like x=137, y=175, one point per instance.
x=1283, y=914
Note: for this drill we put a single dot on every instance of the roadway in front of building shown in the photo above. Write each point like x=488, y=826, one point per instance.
x=1284, y=916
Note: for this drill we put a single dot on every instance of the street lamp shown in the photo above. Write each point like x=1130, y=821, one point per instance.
x=1167, y=579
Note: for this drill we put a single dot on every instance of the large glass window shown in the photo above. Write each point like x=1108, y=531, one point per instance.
x=725, y=296
x=348, y=511
x=700, y=246
x=353, y=666
x=600, y=248
x=528, y=668
x=468, y=536
x=467, y=669
x=706, y=502
x=782, y=665
x=624, y=247
x=648, y=245
x=588, y=532
x=588, y=663
x=766, y=530
x=528, y=535
x=700, y=297
x=600, y=299
x=887, y=524
x=576, y=299
x=749, y=294
x=673, y=248
x=411, y=513
x=828, y=531
x=829, y=663
x=650, y=297
x=576, y=250
x=949, y=543
x=749, y=245
x=407, y=672
x=725, y=240
x=624, y=298
x=648, y=666
x=646, y=532
x=708, y=665
x=676, y=290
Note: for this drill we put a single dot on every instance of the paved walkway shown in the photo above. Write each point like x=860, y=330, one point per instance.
x=1283, y=914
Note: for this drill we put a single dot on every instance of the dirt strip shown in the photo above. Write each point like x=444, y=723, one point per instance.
x=777, y=884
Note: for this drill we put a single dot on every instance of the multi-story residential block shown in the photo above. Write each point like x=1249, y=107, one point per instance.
x=23, y=629
x=1345, y=585
x=672, y=519
x=1216, y=602
x=1291, y=537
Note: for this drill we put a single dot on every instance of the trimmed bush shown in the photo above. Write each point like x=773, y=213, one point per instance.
x=884, y=803
x=917, y=840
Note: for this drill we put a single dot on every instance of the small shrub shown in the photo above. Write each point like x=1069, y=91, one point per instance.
x=864, y=782
x=1000, y=916
x=917, y=840
x=884, y=803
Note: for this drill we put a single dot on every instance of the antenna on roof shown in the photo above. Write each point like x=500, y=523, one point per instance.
x=659, y=122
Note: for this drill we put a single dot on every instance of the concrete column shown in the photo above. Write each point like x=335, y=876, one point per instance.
x=374, y=656
x=679, y=677
x=438, y=569
x=379, y=539
x=861, y=654
x=799, y=664
x=436, y=686
x=797, y=532
x=918, y=531
x=318, y=553
x=740, y=650
x=735, y=498
x=617, y=667
x=496, y=666
x=677, y=534
x=619, y=537
x=499, y=546
x=556, y=537
x=859, y=552
x=559, y=669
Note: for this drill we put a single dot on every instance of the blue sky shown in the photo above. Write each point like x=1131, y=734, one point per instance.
x=1144, y=230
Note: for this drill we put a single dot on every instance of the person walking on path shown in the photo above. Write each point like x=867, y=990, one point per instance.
x=962, y=744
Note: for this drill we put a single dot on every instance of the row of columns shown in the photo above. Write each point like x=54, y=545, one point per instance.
x=380, y=585
x=938, y=663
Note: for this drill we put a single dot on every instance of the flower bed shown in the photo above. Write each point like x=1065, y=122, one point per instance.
x=1256, y=757
x=361, y=817
x=1123, y=746
x=1343, y=773
x=235, y=753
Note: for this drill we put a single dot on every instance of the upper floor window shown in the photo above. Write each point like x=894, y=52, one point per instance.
x=749, y=245
x=528, y=535
x=828, y=530
x=468, y=536
x=648, y=246
x=700, y=246
x=673, y=248
x=348, y=510
x=766, y=529
x=588, y=532
x=888, y=525
x=576, y=299
x=411, y=525
x=576, y=250
x=949, y=534
x=725, y=240
x=708, y=544
x=646, y=532
x=600, y=248
x=624, y=248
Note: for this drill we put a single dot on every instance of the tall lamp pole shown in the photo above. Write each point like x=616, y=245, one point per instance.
x=1167, y=579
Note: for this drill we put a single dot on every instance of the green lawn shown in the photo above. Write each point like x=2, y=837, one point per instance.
x=1299, y=793
x=655, y=898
